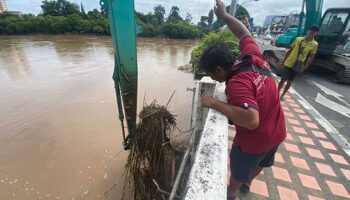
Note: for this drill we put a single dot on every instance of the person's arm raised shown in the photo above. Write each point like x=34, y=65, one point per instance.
x=236, y=26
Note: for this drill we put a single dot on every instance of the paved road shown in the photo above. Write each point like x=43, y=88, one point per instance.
x=330, y=99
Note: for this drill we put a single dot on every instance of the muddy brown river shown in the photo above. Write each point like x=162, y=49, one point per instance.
x=59, y=129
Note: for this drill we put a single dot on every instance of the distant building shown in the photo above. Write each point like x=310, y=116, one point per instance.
x=267, y=22
x=19, y=13
x=3, y=6
x=278, y=24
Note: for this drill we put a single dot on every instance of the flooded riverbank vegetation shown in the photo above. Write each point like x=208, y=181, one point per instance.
x=62, y=17
x=209, y=39
x=151, y=164
x=222, y=36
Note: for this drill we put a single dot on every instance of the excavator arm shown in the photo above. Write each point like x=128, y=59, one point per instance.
x=333, y=40
x=312, y=17
x=124, y=30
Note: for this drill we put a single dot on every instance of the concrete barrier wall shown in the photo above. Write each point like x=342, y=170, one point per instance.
x=208, y=176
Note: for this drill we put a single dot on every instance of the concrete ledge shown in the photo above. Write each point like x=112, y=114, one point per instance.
x=208, y=176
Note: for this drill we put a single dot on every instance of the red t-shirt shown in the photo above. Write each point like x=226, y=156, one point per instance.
x=252, y=90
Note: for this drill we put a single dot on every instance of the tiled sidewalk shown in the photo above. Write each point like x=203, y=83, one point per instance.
x=309, y=164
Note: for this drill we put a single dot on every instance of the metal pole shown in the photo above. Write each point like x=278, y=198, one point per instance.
x=301, y=18
x=193, y=90
x=189, y=147
x=302, y=7
x=233, y=7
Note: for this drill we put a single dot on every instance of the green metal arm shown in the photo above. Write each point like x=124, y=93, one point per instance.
x=313, y=16
x=121, y=15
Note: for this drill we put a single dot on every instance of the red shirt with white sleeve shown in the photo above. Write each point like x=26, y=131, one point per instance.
x=259, y=92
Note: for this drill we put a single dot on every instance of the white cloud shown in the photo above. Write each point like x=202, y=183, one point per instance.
x=25, y=6
x=259, y=10
x=33, y=6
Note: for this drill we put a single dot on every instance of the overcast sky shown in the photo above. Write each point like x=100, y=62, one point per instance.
x=258, y=10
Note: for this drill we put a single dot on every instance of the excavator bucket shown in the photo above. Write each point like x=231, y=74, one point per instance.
x=123, y=26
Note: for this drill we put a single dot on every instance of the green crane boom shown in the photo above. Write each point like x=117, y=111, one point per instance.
x=123, y=26
x=313, y=16
x=333, y=39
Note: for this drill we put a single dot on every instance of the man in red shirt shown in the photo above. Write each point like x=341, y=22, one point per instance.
x=253, y=103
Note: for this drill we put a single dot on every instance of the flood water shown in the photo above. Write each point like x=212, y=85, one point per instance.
x=59, y=129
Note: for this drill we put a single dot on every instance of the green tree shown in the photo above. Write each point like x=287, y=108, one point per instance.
x=59, y=8
x=98, y=29
x=82, y=10
x=210, y=17
x=174, y=16
x=241, y=13
x=11, y=24
x=59, y=25
x=61, y=16
x=188, y=18
x=141, y=16
x=41, y=24
x=223, y=36
x=94, y=14
x=181, y=30
x=73, y=23
x=4, y=15
x=203, y=21
x=159, y=12
x=148, y=29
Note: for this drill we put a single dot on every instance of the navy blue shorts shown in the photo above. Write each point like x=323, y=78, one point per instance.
x=288, y=74
x=244, y=164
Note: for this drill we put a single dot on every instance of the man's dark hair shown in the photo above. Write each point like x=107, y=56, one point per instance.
x=218, y=54
x=314, y=28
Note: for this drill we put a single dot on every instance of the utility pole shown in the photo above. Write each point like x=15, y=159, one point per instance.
x=233, y=7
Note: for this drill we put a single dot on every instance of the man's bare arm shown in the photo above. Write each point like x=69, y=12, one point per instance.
x=309, y=61
x=287, y=55
x=236, y=26
x=248, y=118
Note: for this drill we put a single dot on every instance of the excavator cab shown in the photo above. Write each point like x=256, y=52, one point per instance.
x=333, y=39
x=334, y=34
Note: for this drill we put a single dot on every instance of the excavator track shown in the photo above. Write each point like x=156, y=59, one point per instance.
x=275, y=59
x=339, y=64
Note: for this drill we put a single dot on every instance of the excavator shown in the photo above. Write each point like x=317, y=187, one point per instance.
x=333, y=39
x=121, y=14
x=333, y=52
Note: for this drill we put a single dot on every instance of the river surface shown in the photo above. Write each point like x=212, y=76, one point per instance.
x=60, y=136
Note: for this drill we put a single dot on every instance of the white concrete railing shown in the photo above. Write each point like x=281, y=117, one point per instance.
x=208, y=176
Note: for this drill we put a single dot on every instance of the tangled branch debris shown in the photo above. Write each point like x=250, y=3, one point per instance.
x=151, y=155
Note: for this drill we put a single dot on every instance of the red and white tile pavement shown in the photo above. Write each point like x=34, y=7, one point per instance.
x=309, y=164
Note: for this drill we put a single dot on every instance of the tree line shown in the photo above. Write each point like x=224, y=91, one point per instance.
x=174, y=26
x=57, y=17
x=62, y=16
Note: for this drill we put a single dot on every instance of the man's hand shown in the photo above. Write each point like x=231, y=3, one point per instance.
x=208, y=102
x=220, y=9
x=304, y=68
x=309, y=61
x=236, y=26
x=248, y=118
